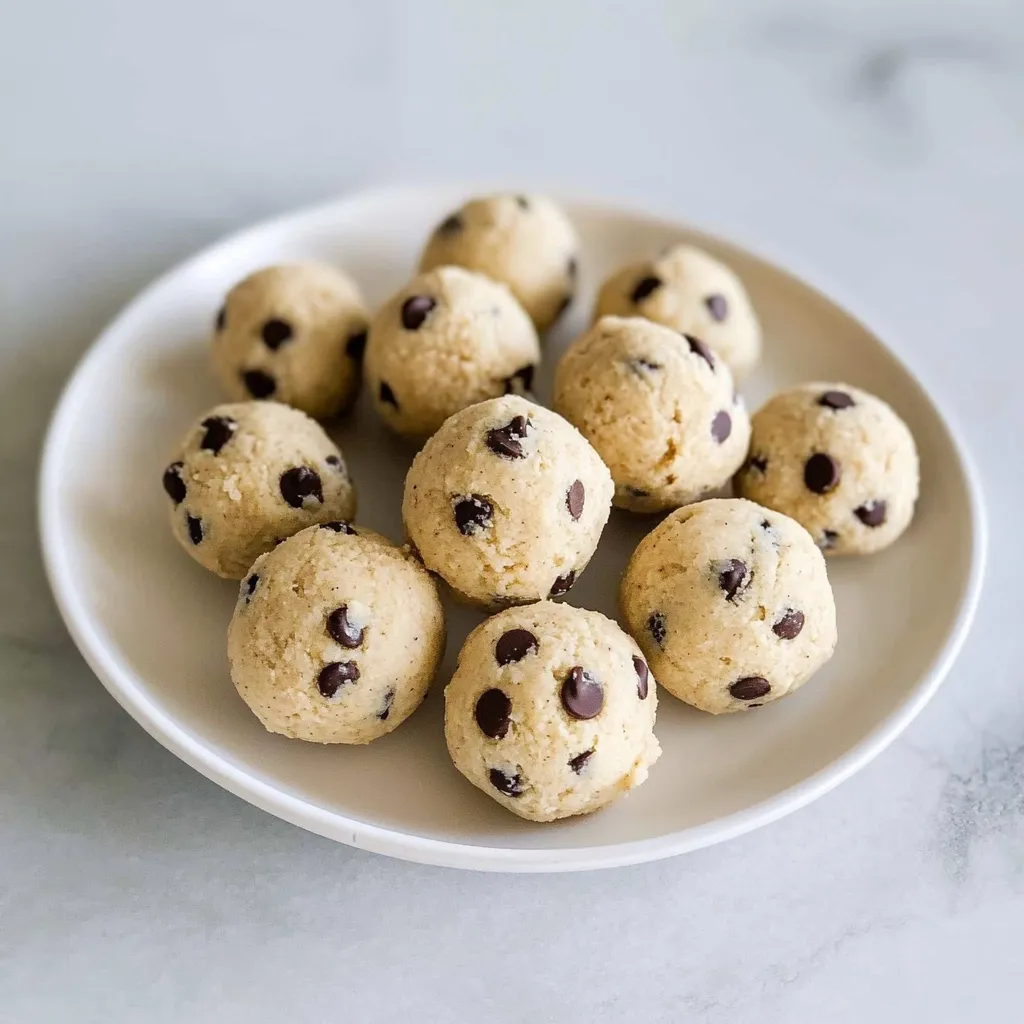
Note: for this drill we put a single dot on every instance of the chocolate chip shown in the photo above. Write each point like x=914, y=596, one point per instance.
x=335, y=675
x=219, y=430
x=173, y=484
x=821, y=473
x=195, y=529
x=563, y=584
x=300, y=483
x=750, y=688
x=733, y=577
x=493, y=709
x=758, y=462
x=334, y=461
x=575, y=498
x=222, y=318
x=343, y=630
x=642, y=366
x=523, y=202
x=699, y=348
x=788, y=627
x=836, y=400
x=356, y=345
x=514, y=645
x=638, y=492
x=450, y=225
x=579, y=762
x=473, y=512
x=415, y=310
x=504, y=441
x=721, y=426
x=389, y=699
x=718, y=307
x=572, y=268
x=387, y=396
x=563, y=305
x=656, y=627
x=250, y=586
x=827, y=540
x=871, y=513
x=339, y=527
x=520, y=381
x=644, y=287
x=510, y=785
x=642, y=676
x=582, y=694
x=275, y=333
x=258, y=383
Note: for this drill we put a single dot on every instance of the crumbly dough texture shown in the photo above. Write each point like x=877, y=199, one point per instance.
x=294, y=333
x=246, y=476
x=731, y=605
x=659, y=407
x=448, y=339
x=838, y=460
x=525, y=241
x=689, y=291
x=535, y=757
x=336, y=636
x=507, y=502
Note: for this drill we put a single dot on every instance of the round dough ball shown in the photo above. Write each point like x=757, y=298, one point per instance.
x=551, y=711
x=336, y=635
x=660, y=409
x=731, y=604
x=689, y=291
x=448, y=339
x=294, y=333
x=525, y=241
x=506, y=502
x=839, y=461
x=248, y=475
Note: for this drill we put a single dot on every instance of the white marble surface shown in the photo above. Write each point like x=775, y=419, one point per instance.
x=880, y=143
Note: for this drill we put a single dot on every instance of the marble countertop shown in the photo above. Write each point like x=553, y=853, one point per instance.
x=880, y=142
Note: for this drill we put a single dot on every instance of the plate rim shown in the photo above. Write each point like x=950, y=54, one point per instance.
x=124, y=685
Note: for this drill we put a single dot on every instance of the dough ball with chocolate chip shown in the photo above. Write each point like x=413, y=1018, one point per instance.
x=506, y=502
x=730, y=603
x=839, y=461
x=294, y=333
x=448, y=339
x=525, y=241
x=551, y=711
x=689, y=291
x=336, y=635
x=659, y=407
x=248, y=475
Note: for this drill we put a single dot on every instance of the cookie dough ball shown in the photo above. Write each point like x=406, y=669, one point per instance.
x=525, y=241
x=248, y=475
x=551, y=711
x=294, y=333
x=689, y=291
x=507, y=502
x=660, y=409
x=839, y=461
x=336, y=635
x=448, y=339
x=731, y=605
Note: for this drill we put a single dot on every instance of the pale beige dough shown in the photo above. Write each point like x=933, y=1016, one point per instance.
x=686, y=289
x=448, y=339
x=730, y=603
x=507, y=502
x=838, y=460
x=294, y=333
x=513, y=711
x=659, y=407
x=336, y=636
x=246, y=476
x=525, y=241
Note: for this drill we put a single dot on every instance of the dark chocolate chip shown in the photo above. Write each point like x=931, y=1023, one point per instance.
x=258, y=383
x=415, y=311
x=750, y=688
x=334, y=461
x=642, y=675
x=222, y=318
x=733, y=577
x=828, y=540
x=298, y=484
x=836, y=400
x=644, y=287
x=564, y=305
x=699, y=348
x=563, y=584
x=575, y=498
x=450, y=225
x=275, y=333
x=579, y=762
x=718, y=307
x=721, y=426
x=758, y=462
x=582, y=694
x=356, y=345
x=514, y=645
x=656, y=627
x=389, y=699
x=788, y=627
x=173, y=484
x=520, y=381
x=638, y=492
x=387, y=396
x=523, y=202
x=219, y=430
x=871, y=513
x=641, y=366
x=572, y=268
x=335, y=675
x=505, y=441
x=493, y=709
x=195, y=529
x=339, y=527
x=343, y=630
x=473, y=512
x=510, y=785
x=821, y=473
x=250, y=586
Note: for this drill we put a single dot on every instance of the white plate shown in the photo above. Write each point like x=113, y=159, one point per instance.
x=151, y=623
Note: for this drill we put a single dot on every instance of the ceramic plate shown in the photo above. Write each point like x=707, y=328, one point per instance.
x=152, y=623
